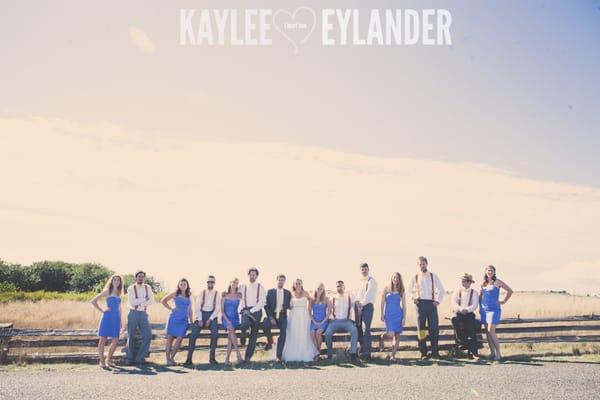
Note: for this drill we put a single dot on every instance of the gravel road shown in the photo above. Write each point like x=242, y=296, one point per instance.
x=531, y=379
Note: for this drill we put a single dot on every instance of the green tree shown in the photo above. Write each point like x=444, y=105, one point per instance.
x=54, y=276
x=89, y=277
x=22, y=277
x=7, y=287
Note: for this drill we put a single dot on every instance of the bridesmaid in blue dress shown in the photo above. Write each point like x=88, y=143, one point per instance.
x=179, y=319
x=490, y=309
x=110, y=322
x=230, y=304
x=320, y=312
x=393, y=312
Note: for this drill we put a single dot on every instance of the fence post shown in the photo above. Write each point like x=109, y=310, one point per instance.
x=5, y=334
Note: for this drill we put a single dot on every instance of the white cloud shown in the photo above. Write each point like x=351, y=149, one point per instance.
x=141, y=40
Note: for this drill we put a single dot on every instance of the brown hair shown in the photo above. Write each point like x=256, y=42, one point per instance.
x=109, y=285
x=485, y=277
x=400, y=288
x=188, y=291
x=229, y=287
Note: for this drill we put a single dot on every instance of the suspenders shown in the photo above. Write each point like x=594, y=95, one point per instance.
x=470, y=297
x=432, y=286
x=136, y=293
x=246, y=299
x=349, y=305
x=214, y=300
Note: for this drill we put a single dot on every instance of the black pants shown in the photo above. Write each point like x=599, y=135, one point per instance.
x=465, y=328
x=281, y=323
x=253, y=324
x=196, y=329
x=427, y=317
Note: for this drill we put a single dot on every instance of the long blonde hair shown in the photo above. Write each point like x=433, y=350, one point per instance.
x=109, y=285
x=400, y=287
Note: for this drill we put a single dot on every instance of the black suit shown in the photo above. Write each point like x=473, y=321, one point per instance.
x=281, y=319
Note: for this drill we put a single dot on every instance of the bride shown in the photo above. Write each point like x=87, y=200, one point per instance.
x=299, y=345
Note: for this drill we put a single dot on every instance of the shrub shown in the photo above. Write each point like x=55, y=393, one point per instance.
x=7, y=287
x=89, y=277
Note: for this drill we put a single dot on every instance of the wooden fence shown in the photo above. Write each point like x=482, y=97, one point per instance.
x=28, y=345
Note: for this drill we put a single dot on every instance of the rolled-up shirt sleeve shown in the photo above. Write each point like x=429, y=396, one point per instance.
x=456, y=307
x=413, y=289
x=150, y=301
x=370, y=293
x=262, y=300
x=439, y=289
x=475, y=302
x=131, y=300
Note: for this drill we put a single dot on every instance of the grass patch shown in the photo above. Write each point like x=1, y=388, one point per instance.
x=43, y=295
x=40, y=295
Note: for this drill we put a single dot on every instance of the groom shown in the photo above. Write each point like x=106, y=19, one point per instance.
x=278, y=302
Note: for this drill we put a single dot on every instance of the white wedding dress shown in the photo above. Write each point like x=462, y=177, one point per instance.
x=298, y=343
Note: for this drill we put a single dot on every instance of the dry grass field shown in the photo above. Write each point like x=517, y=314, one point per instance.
x=77, y=314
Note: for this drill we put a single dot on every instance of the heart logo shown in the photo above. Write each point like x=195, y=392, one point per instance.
x=296, y=27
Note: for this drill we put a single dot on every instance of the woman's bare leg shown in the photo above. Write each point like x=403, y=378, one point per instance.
x=168, y=345
x=395, y=344
x=319, y=337
x=111, y=350
x=101, y=344
x=235, y=346
x=229, y=347
x=495, y=341
x=175, y=348
x=489, y=333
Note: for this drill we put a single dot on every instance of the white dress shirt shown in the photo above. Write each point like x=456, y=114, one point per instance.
x=340, y=306
x=210, y=297
x=279, y=302
x=249, y=296
x=367, y=291
x=421, y=288
x=461, y=298
x=140, y=303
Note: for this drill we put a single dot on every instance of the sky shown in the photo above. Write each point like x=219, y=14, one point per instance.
x=123, y=147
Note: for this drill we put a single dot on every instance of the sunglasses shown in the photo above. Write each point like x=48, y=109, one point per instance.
x=210, y=282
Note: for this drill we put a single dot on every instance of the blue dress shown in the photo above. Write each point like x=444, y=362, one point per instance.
x=230, y=308
x=319, y=311
x=393, y=312
x=178, y=321
x=490, y=308
x=110, y=323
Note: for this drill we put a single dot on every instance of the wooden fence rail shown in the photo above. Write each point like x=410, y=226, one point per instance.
x=578, y=329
